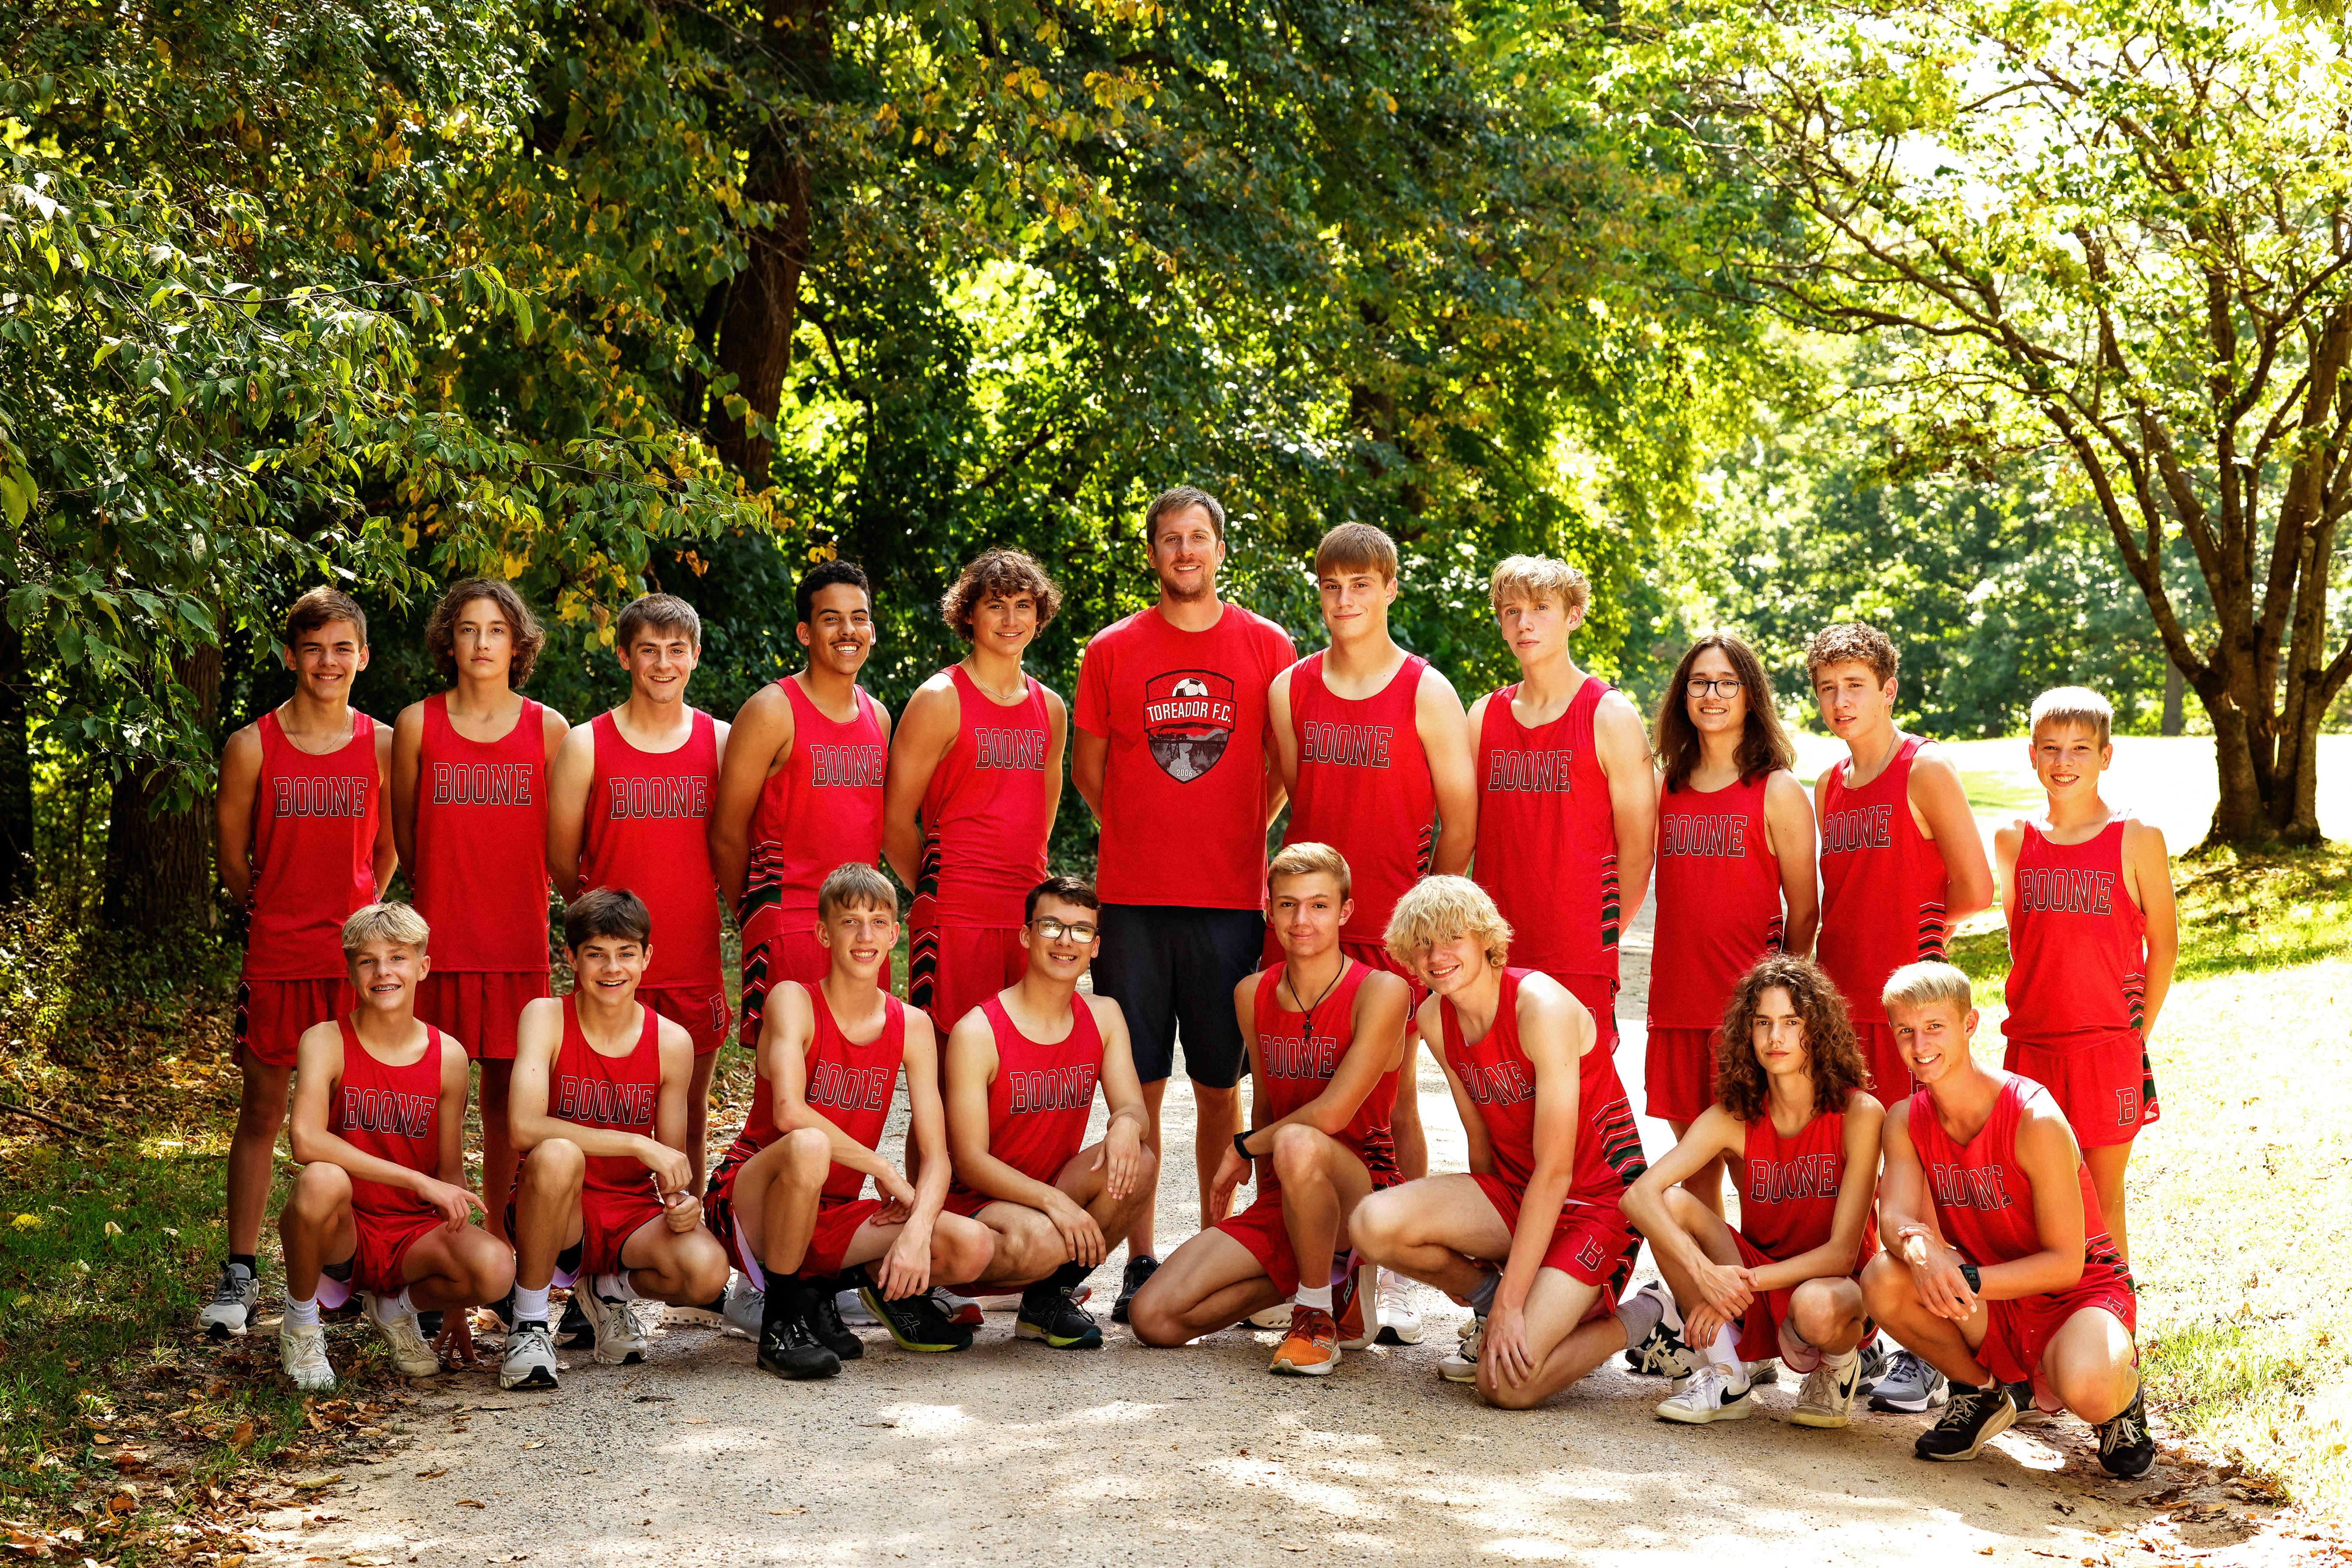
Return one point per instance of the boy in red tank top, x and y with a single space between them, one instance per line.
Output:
1902 862
301 840
801 790
1375 756
380 1207
787 1200
1022 1072
2092 936
1326 1038
1998 1269
605 1197
1531 1238
975 777
1568 806
1735 872
1800 1136
469 814
631 809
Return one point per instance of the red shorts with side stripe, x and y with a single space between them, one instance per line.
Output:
1678 1074
480 1009
1260 1229
950 970
2018 1334
836 1225
1593 1245
701 1010
2108 1089
272 1013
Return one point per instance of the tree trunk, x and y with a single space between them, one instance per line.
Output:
17 869
159 864
755 338
2175 688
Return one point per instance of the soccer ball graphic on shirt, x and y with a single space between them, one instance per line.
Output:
1188 718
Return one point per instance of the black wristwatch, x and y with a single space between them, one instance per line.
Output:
1241 1143
1969 1273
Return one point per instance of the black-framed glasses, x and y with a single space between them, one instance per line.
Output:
1053 929
1700 685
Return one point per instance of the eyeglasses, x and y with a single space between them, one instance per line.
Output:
1699 686
1054 930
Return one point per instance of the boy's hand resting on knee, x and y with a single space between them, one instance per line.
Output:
1078 1231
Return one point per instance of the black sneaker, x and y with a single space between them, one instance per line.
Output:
1873 1364
1049 1313
573 1328
788 1349
503 1309
2126 1447
2020 1394
1974 1417
428 1324
1139 1269
916 1322
823 1317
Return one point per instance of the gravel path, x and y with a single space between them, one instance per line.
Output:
1015 1453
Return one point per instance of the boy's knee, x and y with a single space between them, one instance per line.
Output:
556 1163
1376 1227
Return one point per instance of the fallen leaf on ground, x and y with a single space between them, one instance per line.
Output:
364 1562
469 1502
316 1483
536 1442
432 1475
788 1510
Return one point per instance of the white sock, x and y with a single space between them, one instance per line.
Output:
1841 1361
301 1314
1725 1352
1319 1299
391 1309
616 1288
529 1305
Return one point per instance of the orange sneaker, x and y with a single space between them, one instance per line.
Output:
1348 1297
1312 1347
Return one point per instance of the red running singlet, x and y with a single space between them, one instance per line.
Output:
1882 884
2078 944
1718 892
314 827
389 1112
589 1089
987 812
1543 807
1037 1106
851 1085
1364 787
821 809
1296 1055
647 830
1788 1188
1500 1080
1983 1198
482 844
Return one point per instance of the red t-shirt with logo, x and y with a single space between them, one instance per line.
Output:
1184 776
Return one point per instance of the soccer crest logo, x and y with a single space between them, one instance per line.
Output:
1188 717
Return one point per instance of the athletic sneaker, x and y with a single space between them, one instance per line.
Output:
1400 1324
2020 1394
1827 1397
530 1358
1909 1386
1139 1269
1873 1351
503 1309
1662 1353
1462 1365
2127 1446
916 1322
1275 1317
964 1312
743 1307
411 1353
851 1311
1974 1417
1311 1349
825 1320
573 1328
1348 1313
618 1342
1710 1395
711 1314
1051 1312
236 1296
303 1351
1763 1371
790 1349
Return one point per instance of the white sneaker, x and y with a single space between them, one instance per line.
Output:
1400 1324
1827 1397
303 1351
1462 1365
743 1308
410 1353
1275 1317
1710 1395
618 1342
236 1296
530 1358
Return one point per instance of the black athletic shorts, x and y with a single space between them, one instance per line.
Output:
1173 970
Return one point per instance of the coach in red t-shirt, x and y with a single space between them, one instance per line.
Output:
1170 753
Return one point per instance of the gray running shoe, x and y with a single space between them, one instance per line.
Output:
236 1296
530 1358
619 1340
1873 1362
1910 1386
744 1307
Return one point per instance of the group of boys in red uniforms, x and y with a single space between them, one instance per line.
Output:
1457 877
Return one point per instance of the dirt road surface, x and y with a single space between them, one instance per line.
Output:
1013 1453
